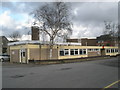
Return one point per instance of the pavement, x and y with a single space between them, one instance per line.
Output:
88 74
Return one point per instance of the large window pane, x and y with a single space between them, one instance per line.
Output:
108 50
61 52
76 51
66 51
72 52
112 50
80 51
84 52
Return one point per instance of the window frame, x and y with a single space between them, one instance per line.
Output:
76 50
73 51
66 51
84 51
61 50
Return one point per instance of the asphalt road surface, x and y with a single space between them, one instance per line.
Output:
88 74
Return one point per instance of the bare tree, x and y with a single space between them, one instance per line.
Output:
111 30
55 18
15 36
43 36
64 36
107 29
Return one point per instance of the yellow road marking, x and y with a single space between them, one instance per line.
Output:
112 84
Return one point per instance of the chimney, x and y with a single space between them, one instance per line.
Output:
35 32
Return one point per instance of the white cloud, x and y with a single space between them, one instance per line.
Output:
81 31
78 31
23 37
26 37
18 27
88 33
76 11
86 14
9 24
6 20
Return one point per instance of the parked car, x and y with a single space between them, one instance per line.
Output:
4 58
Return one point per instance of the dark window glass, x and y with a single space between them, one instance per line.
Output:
72 52
80 51
66 52
116 50
4 50
76 51
23 54
61 53
108 50
89 49
112 50
84 52
96 49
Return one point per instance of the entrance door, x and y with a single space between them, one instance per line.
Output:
102 52
23 56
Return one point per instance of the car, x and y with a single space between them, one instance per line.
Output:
4 58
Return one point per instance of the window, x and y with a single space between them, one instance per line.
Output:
66 51
4 50
71 51
84 51
61 52
23 54
80 51
116 50
96 49
92 50
108 50
76 51
89 49
112 50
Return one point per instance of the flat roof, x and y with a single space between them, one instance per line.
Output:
39 43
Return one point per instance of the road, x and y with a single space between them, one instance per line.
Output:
88 74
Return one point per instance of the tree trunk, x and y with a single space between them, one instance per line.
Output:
50 53
51 46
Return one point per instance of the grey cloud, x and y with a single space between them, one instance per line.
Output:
92 15
95 13
21 7
89 14
18 8
6 31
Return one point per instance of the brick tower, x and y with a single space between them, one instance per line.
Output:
35 32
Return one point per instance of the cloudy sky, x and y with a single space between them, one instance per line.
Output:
88 17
